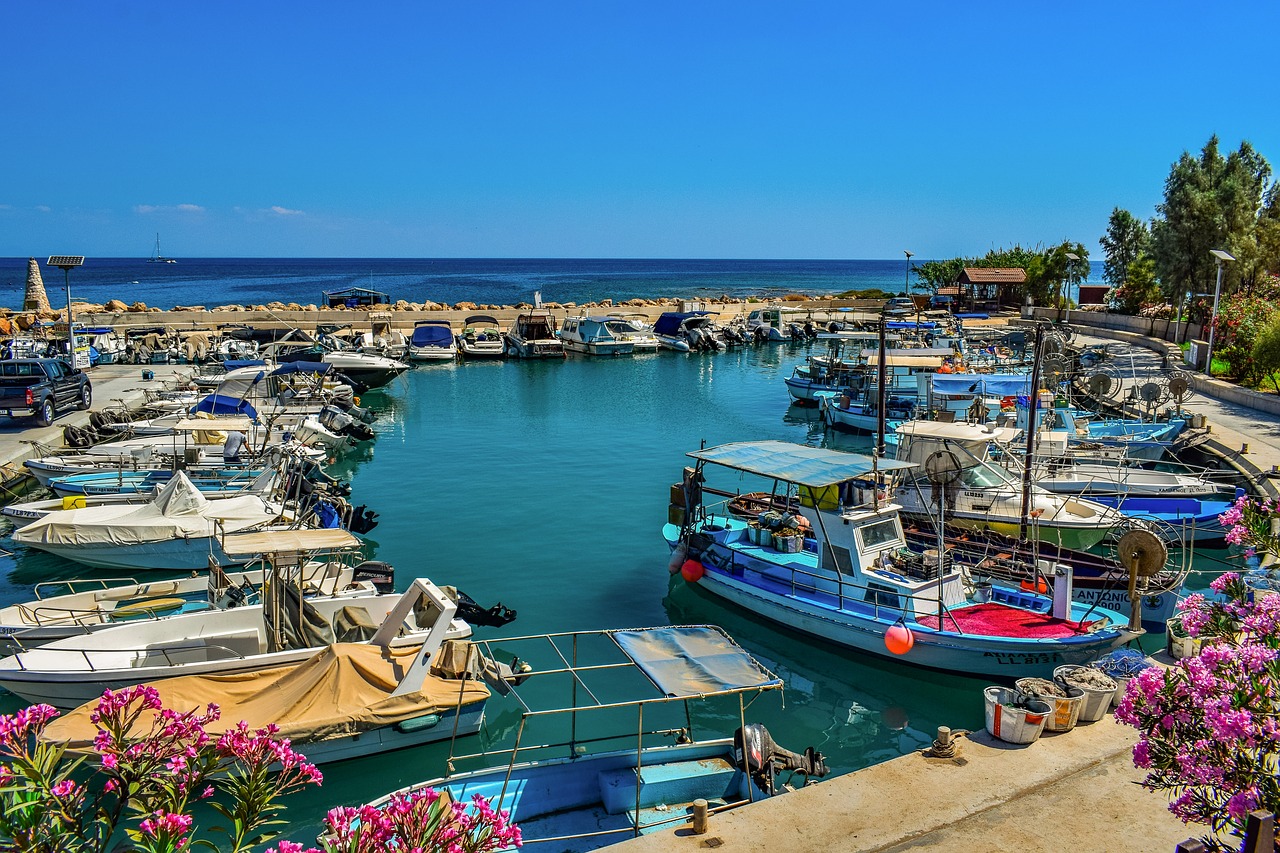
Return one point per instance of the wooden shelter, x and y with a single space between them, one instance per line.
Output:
990 287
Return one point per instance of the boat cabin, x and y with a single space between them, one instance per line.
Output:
354 297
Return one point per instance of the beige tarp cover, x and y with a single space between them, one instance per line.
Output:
693 660
270 541
343 690
178 512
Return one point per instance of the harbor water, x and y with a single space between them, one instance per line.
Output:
544 485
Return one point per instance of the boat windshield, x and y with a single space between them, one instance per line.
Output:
981 477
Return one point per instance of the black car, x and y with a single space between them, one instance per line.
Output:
40 388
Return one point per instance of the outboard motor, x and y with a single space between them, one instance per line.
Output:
472 613
380 574
757 754
363 519
761 334
810 331
795 332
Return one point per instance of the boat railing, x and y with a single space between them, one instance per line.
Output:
78 585
142 654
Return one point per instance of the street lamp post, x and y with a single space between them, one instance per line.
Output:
1072 257
906 286
65 263
1220 257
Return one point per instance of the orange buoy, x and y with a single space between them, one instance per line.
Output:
899 639
1039 586
692 571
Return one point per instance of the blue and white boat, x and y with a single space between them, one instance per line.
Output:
688 331
212 482
1138 439
594 336
642 765
1192 518
432 340
855 578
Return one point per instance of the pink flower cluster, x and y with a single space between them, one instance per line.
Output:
1248 523
1209 728
421 820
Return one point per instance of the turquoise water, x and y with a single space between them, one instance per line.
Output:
545 486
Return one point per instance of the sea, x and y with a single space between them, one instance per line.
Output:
545 486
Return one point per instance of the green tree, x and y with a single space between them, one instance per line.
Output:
1127 239
1209 203
1266 351
1050 273
1139 287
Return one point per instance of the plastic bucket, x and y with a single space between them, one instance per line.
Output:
1177 643
789 544
1066 709
1013 724
1122 684
1097 701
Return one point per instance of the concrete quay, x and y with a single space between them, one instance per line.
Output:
113 385
1073 791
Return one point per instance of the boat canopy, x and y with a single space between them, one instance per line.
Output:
289 541
291 367
693 661
479 318
219 404
814 467
220 424
431 336
994 384
670 321
910 324
237 363
959 432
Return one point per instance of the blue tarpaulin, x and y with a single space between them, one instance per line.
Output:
237 363
669 322
302 367
991 384
218 404
432 336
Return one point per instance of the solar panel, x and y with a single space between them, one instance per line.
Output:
66 262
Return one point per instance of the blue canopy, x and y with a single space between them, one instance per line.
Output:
669 322
237 363
95 330
910 324
219 404
993 384
432 336
814 467
288 368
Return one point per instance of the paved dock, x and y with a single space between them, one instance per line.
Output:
113 385
1065 793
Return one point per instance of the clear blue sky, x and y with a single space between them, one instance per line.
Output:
538 128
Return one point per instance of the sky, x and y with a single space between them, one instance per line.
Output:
539 128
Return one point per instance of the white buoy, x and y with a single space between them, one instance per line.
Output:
677 558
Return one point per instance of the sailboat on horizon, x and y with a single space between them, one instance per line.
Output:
156 257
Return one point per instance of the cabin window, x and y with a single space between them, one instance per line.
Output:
879 594
979 477
843 561
879 533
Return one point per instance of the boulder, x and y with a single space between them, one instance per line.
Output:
293 306
137 307
310 307
115 306
465 306
402 305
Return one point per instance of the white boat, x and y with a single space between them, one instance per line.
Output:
346 700
432 340
178 530
533 335
481 338
689 331
593 336
635 328
980 494
82 606
578 791
382 339
848 575
285 629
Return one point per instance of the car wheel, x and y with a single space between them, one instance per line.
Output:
47 413
86 397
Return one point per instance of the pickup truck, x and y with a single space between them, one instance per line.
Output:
41 388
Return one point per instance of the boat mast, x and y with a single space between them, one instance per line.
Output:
881 370
1032 403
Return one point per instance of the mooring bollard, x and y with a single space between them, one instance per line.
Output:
700 817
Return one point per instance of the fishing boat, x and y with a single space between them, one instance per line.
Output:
533 335
840 367
214 482
594 336
578 790
481 338
1191 517
852 579
979 494
286 628
688 331
347 700
157 257
1137 439
432 340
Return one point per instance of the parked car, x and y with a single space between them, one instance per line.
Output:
40 388
943 302
900 303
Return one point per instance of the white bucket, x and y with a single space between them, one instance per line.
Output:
1177 643
1014 724
1122 684
1096 702
1066 709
